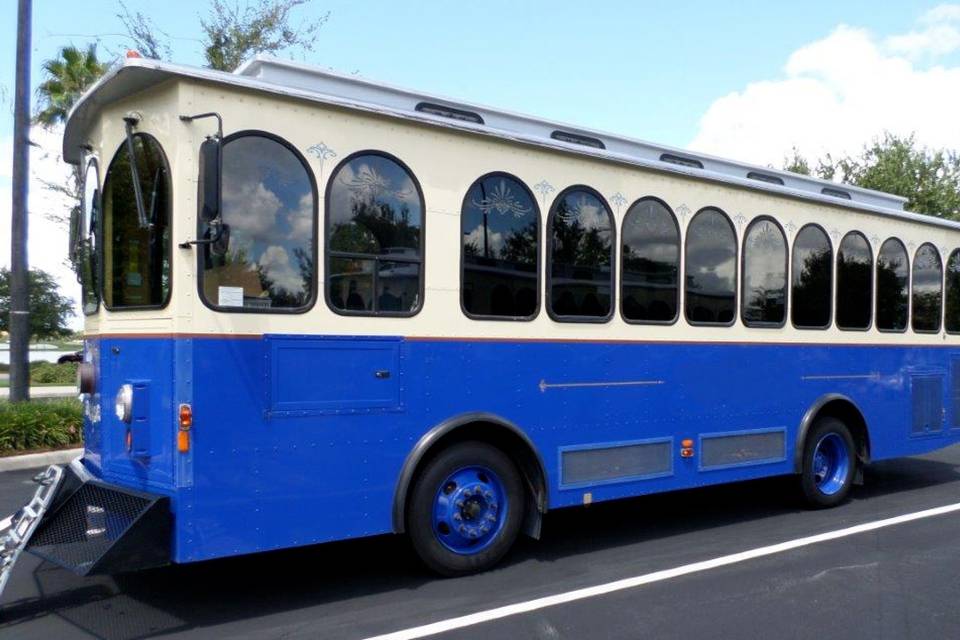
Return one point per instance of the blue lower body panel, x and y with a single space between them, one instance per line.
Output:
301 439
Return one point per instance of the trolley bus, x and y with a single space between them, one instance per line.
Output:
321 308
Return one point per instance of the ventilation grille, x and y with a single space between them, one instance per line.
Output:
719 451
576 138
686 162
765 177
616 463
927 404
449 112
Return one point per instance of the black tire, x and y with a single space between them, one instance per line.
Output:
813 495
420 516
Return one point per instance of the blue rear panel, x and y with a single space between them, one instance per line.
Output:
301 439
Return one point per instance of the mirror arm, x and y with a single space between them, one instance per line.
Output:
209 114
212 240
130 121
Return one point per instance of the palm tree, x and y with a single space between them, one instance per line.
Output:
68 76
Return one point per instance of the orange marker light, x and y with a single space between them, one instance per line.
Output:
186 422
129 440
133 53
686 444
183 441
686 448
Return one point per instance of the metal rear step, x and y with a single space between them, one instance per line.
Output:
89 527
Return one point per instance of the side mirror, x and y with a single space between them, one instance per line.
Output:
211 157
76 222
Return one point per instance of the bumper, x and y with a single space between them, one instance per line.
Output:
96 528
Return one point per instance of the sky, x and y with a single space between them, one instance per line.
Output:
746 80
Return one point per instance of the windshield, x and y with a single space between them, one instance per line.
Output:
86 261
136 259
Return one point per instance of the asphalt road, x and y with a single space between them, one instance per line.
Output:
896 582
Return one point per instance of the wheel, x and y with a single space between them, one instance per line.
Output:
829 463
465 509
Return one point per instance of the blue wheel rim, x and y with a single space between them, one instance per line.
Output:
831 463
469 510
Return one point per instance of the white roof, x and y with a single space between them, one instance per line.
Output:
315 84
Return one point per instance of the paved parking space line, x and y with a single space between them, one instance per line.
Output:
657 576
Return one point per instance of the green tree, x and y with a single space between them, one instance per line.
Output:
232 32
928 178
49 311
68 75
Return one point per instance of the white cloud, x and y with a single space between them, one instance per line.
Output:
275 261
494 240
842 91
47 242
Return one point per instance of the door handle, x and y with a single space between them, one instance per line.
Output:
382 374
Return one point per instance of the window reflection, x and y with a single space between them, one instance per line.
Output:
854 282
953 292
812 279
374 226
269 205
764 274
500 229
581 255
892 285
651 263
927 289
711 268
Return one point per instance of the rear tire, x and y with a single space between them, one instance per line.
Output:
465 509
829 464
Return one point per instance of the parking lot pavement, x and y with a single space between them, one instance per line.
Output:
897 582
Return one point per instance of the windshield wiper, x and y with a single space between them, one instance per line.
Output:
131 120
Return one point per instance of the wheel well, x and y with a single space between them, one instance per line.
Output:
843 409
493 431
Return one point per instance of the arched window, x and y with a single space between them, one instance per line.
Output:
764 274
270 206
581 233
500 236
136 254
710 263
374 237
927 289
953 292
893 282
84 238
812 279
650 263
854 282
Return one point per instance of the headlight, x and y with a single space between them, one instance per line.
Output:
124 403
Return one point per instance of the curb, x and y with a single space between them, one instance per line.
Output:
32 460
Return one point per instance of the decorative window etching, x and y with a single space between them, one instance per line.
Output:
683 211
790 227
740 220
368 184
834 233
765 235
502 200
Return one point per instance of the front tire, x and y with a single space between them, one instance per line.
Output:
465 509
829 464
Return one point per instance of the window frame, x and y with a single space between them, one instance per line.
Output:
943 270
539 264
93 159
876 286
244 133
421 261
833 278
736 274
786 275
676 224
102 266
873 282
548 247
945 329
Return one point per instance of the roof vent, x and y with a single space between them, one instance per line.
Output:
576 138
449 112
686 162
765 177
836 193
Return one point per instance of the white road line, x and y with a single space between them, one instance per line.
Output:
657 576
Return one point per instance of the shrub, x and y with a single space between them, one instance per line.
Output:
52 373
40 425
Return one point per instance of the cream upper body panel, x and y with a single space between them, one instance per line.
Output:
446 162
